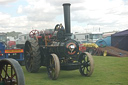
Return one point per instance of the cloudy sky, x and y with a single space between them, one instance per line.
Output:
86 15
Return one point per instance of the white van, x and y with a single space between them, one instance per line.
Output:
20 41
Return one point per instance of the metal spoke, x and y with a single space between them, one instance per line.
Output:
87 69
83 69
12 76
6 74
11 71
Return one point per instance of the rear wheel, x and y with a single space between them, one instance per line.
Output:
32 56
87 64
53 67
11 73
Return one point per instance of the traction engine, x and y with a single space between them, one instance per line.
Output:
56 50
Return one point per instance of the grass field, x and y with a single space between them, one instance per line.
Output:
107 71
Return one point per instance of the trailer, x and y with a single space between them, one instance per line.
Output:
5 52
90 37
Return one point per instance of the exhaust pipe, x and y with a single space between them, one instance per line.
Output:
66 7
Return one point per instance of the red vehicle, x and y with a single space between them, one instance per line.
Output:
11 44
82 48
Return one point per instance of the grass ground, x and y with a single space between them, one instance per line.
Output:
107 71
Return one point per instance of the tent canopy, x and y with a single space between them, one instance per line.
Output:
122 33
120 40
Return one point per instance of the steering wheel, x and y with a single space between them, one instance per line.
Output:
33 33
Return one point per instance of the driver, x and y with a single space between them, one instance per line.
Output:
61 27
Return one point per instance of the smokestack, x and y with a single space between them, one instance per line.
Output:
66 7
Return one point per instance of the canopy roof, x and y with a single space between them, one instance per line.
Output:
122 33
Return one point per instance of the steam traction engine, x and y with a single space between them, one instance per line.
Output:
56 50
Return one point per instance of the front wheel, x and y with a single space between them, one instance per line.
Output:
11 72
53 66
86 64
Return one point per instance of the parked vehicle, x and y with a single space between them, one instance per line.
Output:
56 51
88 37
94 36
11 43
82 48
22 38
6 52
3 39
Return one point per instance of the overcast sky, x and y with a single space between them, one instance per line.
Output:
86 15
